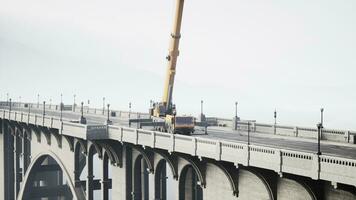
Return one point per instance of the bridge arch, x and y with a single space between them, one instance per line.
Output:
36 162
252 185
47 135
80 145
224 172
287 187
146 155
191 179
93 149
198 167
79 160
36 131
141 170
114 152
160 181
189 186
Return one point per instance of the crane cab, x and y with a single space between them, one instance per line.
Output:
160 110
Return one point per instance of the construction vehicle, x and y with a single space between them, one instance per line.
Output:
165 111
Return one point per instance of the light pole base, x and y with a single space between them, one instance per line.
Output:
83 120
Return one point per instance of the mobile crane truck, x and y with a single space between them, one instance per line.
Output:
165 111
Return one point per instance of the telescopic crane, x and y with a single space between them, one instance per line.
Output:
165 110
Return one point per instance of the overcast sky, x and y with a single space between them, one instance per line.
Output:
295 56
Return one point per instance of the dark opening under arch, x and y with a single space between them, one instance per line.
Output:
46 178
140 179
189 187
161 180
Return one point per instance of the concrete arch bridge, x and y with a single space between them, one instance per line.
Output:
47 157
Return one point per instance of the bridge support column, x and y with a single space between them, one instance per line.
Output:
128 172
173 189
151 183
121 176
105 180
9 165
90 177
2 160
26 152
17 171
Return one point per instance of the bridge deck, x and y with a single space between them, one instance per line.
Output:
226 134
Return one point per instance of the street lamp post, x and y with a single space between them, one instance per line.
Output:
103 105
50 103
74 102
236 109
275 120
88 106
319 126
44 108
7 97
248 133
38 100
82 120
108 112
201 107
10 105
235 118
81 109
138 123
61 108
129 110
108 122
203 118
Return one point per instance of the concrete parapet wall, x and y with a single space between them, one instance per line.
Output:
278 160
343 136
301 132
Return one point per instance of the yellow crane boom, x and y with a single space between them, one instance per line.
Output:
165 111
172 56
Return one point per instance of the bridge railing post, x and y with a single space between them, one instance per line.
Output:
278 157
347 136
254 126
296 131
153 135
316 166
172 143
194 153
218 150
136 136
